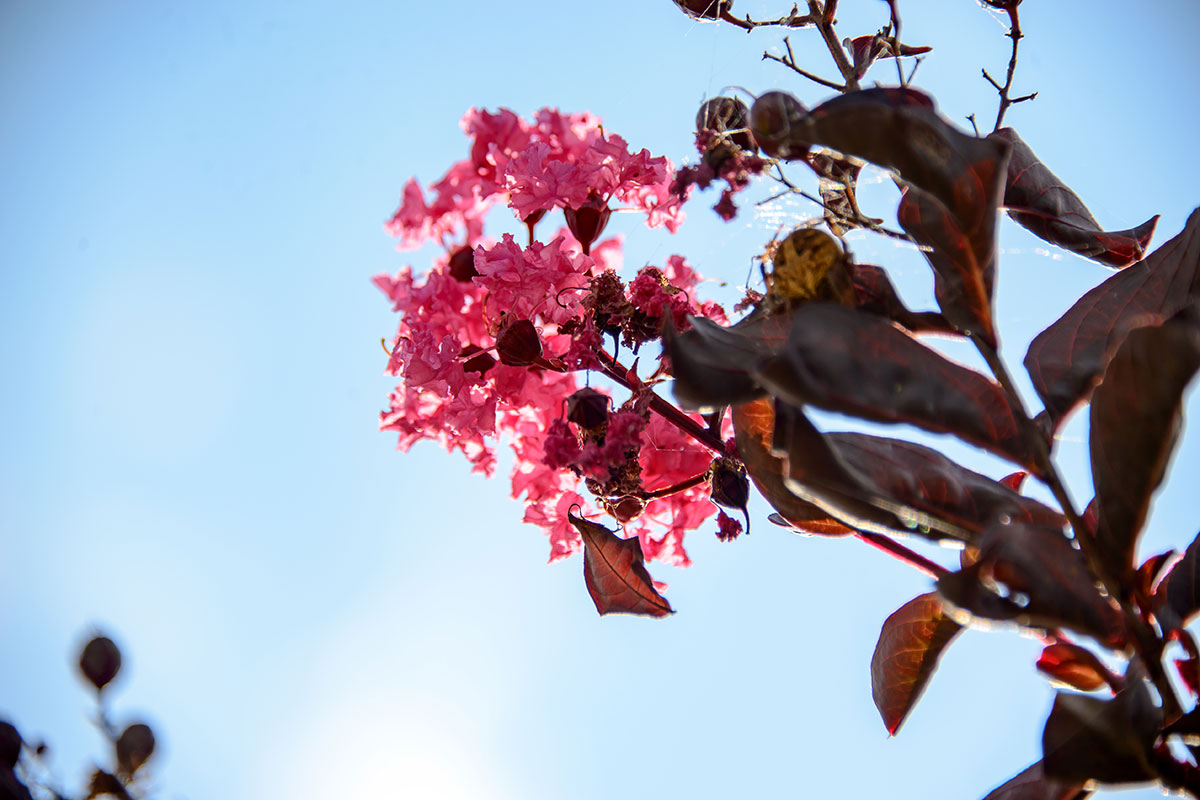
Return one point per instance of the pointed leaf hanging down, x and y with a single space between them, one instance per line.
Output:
1041 203
1135 419
1065 359
963 270
1103 740
1033 576
1032 784
875 294
906 655
848 361
876 483
615 573
753 424
1177 598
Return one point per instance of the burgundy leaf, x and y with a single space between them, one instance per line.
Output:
1135 420
1015 480
1032 784
615 573
1177 598
712 364
1033 576
910 644
753 424
1073 665
875 294
866 49
963 272
1065 359
1151 571
845 360
1110 741
1039 201
887 485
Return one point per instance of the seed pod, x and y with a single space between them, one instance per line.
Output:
10 745
100 661
626 508
724 114
810 265
518 344
134 746
730 486
704 9
587 408
776 120
462 265
587 222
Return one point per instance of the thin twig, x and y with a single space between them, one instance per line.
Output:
1014 33
835 48
789 61
792 20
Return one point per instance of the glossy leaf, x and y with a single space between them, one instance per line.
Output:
963 270
1032 784
875 294
1177 598
1073 665
849 361
1135 420
886 485
753 424
1110 741
1033 576
1041 203
1065 359
906 655
615 573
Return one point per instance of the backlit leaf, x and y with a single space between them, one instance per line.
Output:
1177 598
906 655
1110 741
1032 784
875 294
1065 360
1135 419
1039 201
1072 665
615 573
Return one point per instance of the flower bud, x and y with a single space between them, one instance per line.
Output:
587 408
730 486
100 661
134 746
626 508
704 9
518 344
723 114
462 264
776 121
587 222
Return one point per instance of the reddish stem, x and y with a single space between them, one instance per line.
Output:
899 551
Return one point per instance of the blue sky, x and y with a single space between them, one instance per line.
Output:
192 210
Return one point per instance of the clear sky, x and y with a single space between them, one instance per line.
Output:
192 208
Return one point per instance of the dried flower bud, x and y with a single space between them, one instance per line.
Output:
478 360
100 661
730 486
704 9
587 222
587 408
776 120
10 745
462 264
518 344
134 746
726 114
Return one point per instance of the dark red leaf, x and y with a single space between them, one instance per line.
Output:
1039 201
1065 359
856 363
887 485
875 294
1135 419
866 49
615 573
753 424
1189 672
1033 576
910 644
1103 740
1177 598
1033 785
1015 481
963 270
1073 665
1151 570
712 364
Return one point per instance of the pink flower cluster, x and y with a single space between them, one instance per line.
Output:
492 335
